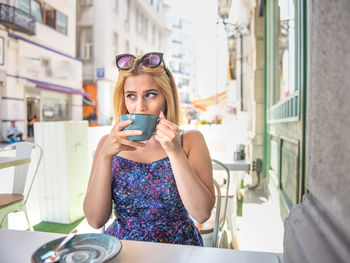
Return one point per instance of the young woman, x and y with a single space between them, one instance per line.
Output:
155 185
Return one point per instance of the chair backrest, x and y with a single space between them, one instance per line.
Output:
219 224
217 214
24 150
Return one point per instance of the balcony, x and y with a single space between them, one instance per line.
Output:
16 19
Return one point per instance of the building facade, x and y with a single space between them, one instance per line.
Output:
180 59
106 30
299 66
40 74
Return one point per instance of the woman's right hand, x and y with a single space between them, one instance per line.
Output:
117 140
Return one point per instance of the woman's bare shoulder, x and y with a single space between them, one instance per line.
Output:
193 134
192 138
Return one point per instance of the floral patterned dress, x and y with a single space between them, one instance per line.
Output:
147 204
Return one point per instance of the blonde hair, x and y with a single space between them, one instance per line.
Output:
165 82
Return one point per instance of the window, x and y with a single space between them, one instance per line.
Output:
47 65
176 41
115 5
86 49
286 51
44 13
50 17
37 11
85 2
127 10
55 19
55 108
171 65
86 35
177 24
23 5
186 82
61 23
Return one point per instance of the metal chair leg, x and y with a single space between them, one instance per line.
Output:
4 222
25 213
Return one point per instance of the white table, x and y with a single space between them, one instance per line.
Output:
18 246
6 162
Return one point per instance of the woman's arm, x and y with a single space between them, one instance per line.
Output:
194 176
98 198
193 173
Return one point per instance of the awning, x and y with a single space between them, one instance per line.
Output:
54 87
203 104
88 102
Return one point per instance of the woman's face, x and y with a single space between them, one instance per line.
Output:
142 95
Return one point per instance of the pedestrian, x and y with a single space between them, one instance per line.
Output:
14 133
157 185
31 122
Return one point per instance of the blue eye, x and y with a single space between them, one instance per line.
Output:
130 96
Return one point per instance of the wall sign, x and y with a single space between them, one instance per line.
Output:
100 72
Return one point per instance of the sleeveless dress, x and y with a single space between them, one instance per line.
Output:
147 204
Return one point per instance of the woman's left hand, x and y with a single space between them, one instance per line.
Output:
167 133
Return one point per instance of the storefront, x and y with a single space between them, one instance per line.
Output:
39 81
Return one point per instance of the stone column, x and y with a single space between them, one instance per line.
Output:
257 84
317 230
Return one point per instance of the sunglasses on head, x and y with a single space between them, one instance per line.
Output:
149 60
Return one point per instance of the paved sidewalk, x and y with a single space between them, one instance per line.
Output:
261 227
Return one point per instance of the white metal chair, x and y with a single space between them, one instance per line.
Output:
16 201
213 227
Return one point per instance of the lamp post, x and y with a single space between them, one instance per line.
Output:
232 46
224 7
231 41
235 34
233 31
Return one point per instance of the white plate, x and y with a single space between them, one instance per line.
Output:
82 248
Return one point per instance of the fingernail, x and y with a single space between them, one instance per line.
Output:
139 132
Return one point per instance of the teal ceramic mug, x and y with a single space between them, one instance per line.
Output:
144 122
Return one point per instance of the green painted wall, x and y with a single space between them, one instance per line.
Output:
285 96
